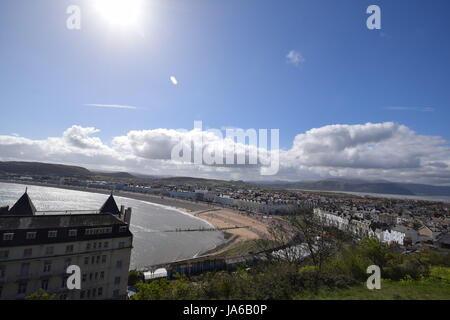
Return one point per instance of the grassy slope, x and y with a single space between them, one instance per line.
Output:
436 287
241 248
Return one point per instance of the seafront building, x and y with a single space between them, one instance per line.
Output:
359 228
36 249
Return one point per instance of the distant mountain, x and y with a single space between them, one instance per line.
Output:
348 185
42 169
200 181
118 175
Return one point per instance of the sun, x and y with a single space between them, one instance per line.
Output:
120 13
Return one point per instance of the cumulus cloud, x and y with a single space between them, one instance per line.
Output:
80 137
381 150
163 144
382 145
295 58
386 150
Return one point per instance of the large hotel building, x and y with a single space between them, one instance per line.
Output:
36 248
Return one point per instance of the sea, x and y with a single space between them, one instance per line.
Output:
445 199
151 245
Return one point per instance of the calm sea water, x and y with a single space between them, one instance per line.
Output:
399 196
151 246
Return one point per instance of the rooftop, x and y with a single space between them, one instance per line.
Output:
8 222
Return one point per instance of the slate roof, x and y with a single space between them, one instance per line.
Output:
23 207
9 222
4 210
110 206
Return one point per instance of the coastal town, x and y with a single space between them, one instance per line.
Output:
410 223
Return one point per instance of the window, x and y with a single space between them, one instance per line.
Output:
52 234
90 276
116 293
92 260
22 288
94 292
73 233
95 231
8 236
100 291
27 252
95 245
88 293
119 264
4 254
103 259
64 282
105 244
86 260
2 271
44 285
84 277
117 280
67 263
99 245
96 276
121 244
47 266
49 250
102 275
69 248
31 235
97 260
82 294
123 229
88 246
24 269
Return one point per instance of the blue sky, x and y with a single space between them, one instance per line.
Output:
230 60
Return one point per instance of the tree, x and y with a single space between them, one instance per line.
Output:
303 236
133 277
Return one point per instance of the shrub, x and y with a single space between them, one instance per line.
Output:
408 267
41 295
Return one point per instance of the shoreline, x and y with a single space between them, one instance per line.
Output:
254 226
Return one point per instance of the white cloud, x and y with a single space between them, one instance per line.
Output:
80 137
112 106
382 150
420 109
295 58
369 151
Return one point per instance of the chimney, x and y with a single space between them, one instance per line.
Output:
122 210
127 216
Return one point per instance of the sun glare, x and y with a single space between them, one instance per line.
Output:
122 13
